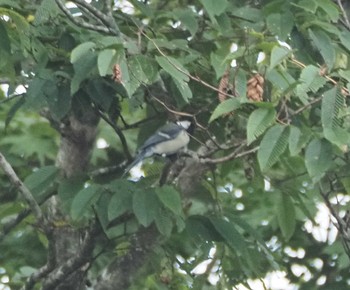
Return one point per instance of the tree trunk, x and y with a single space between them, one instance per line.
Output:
74 153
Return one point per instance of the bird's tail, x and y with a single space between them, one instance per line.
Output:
137 160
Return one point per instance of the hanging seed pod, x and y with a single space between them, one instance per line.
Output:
223 86
117 73
255 88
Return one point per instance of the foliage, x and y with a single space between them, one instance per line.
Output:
273 165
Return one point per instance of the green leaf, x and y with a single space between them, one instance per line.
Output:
101 92
280 24
122 198
35 94
273 144
143 69
278 54
170 198
345 73
163 222
214 7
297 140
11 113
200 227
285 212
324 45
331 9
68 189
173 67
83 69
307 5
218 63
81 50
280 79
145 205
345 39
184 90
46 11
5 40
230 235
337 136
332 103
39 181
20 22
258 122
225 107
144 8
318 158
105 61
58 99
311 80
84 200
187 18
241 84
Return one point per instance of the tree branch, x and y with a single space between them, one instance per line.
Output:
341 224
108 21
13 223
119 133
346 19
197 79
79 22
26 194
83 257
233 155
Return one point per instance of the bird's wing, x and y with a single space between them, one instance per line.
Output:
165 133
137 159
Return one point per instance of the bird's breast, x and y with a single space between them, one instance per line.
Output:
172 146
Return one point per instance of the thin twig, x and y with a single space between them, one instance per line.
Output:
314 101
27 195
231 156
11 97
119 133
341 224
346 19
334 82
137 123
13 223
195 78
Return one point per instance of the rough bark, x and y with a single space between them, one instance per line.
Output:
122 271
77 139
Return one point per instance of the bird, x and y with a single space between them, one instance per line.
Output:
167 140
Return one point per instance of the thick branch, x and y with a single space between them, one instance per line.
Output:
123 270
106 20
27 195
83 257
77 21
